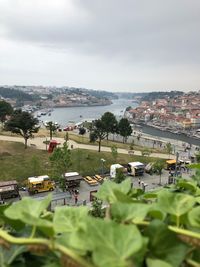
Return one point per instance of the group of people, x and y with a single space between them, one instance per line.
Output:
74 193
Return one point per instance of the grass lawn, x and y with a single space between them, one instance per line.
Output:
19 163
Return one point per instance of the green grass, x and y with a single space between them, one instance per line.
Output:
85 140
19 163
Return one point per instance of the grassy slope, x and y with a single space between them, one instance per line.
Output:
17 162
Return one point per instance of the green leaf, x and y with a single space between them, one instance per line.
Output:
113 244
175 203
187 185
157 263
28 211
197 199
109 190
135 212
156 212
29 206
69 219
164 245
194 217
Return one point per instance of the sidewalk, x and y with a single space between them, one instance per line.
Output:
37 142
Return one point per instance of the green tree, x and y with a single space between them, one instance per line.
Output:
52 128
125 129
97 209
158 166
197 155
120 177
60 162
22 123
169 148
98 133
5 109
110 122
114 152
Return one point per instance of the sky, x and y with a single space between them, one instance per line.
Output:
114 45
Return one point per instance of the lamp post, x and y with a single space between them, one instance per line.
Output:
177 156
102 166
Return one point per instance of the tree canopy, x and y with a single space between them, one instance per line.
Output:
110 122
98 132
5 109
124 128
22 123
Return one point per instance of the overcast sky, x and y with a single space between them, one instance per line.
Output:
118 45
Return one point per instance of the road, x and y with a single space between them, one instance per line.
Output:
38 143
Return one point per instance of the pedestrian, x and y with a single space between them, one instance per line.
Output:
76 198
139 181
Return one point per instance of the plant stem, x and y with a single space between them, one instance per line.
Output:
33 231
48 243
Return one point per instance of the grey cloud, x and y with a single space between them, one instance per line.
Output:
154 31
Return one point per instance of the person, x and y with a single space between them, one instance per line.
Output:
139 181
76 198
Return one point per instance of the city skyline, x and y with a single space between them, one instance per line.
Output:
104 45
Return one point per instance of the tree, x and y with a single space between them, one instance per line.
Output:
158 166
60 162
22 123
169 148
5 109
146 152
98 133
120 177
110 122
114 152
125 129
82 131
52 128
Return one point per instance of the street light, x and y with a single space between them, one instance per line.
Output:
102 166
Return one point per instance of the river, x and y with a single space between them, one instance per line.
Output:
77 114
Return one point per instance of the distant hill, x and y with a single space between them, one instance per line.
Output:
15 94
156 95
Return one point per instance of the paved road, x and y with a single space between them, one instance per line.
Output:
37 142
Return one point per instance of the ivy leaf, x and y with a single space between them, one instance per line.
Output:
113 244
197 199
69 219
175 203
27 206
187 185
157 263
156 212
28 211
164 245
109 190
125 212
194 217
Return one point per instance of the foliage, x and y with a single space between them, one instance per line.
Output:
197 155
98 132
110 123
5 109
114 152
131 147
60 162
146 152
52 128
22 123
124 128
157 167
169 148
139 229
120 177
97 209
82 131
